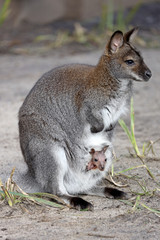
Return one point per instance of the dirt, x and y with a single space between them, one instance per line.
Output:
111 219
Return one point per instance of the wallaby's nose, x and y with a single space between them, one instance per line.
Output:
148 74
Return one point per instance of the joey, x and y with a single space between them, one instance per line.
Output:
98 160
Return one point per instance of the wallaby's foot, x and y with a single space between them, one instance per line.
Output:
115 193
80 204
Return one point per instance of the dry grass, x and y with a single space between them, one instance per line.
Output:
136 201
12 194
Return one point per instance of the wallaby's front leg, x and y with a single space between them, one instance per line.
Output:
94 120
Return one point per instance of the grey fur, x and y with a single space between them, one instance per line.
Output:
55 114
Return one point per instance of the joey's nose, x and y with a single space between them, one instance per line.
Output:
101 168
148 74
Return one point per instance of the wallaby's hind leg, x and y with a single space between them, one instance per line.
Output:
78 203
108 192
74 201
111 193
50 176
114 193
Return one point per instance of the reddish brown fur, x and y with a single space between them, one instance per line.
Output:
98 159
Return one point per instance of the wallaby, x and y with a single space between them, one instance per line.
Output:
98 160
72 109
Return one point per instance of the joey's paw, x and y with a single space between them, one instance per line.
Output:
80 204
115 193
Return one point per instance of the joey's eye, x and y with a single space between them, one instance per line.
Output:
96 160
129 62
105 160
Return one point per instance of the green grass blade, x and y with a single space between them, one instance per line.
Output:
120 19
125 128
132 125
150 209
127 202
129 169
130 133
4 11
132 118
149 172
136 205
7 196
49 195
112 170
132 13
110 16
39 200
144 149
47 202
103 20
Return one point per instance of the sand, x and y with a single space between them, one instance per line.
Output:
111 219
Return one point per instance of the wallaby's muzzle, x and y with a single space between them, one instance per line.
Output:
148 74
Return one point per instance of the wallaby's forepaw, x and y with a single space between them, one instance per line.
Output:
115 193
80 204
97 129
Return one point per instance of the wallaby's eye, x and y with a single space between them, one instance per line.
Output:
105 160
129 62
96 160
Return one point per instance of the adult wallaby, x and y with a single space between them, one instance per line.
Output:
72 109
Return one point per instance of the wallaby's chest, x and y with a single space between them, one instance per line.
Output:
110 114
113 111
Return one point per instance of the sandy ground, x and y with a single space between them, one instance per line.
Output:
111 219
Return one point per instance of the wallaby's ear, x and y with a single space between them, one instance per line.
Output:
105 148
129 36
92 151
115 42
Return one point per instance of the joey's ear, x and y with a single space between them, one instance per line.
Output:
105 148
92 151
115 42
129 36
